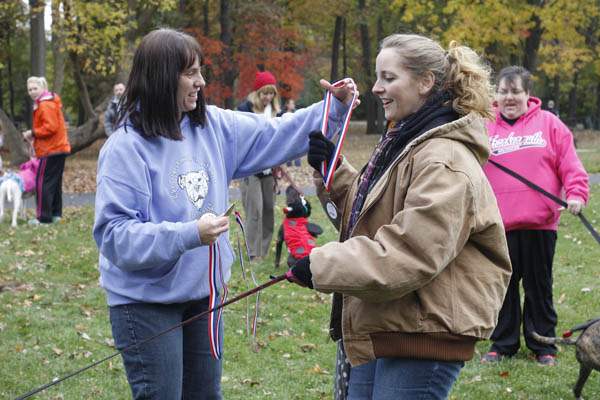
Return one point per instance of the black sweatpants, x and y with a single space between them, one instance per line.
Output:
48 187
531 255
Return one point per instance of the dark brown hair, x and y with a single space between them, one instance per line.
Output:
150 102
512 73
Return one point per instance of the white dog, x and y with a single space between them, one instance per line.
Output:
195 184
10 190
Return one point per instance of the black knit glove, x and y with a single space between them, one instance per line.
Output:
300 273
319 149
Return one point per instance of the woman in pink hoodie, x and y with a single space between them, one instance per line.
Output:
538 146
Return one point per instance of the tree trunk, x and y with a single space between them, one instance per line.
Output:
37 38
370 105
556 92
205 18
90 131
13 140
84 95
345 53
79 138
532 45
57 48
381 123
11 86
572 116
597 113
227 39
335 48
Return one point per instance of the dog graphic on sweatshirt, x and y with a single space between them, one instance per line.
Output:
195 184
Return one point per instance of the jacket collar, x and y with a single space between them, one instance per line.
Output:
469 130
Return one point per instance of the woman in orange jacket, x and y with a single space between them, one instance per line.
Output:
51 147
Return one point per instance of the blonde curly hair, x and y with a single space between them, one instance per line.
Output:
459 70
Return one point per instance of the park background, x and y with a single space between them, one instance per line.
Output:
53 317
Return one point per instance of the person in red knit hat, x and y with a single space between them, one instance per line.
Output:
258 191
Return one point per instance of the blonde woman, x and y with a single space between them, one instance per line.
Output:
258 191
51 144
422 265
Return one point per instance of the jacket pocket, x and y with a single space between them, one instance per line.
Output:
526 208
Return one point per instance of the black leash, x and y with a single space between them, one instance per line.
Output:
274 280
552 197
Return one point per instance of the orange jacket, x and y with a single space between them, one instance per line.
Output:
49 128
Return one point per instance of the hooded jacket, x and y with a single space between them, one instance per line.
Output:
49 127
434 264
540 148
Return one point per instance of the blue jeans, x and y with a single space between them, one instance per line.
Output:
177 365
399 379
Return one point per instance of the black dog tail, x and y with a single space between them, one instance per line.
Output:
552 340
580 327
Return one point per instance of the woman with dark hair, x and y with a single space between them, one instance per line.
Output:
422 219
163 179
537 145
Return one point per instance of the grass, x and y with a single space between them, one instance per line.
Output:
53 317
588 150
53 320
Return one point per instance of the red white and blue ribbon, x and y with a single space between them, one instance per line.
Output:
241 258
215 270
238 219
328 170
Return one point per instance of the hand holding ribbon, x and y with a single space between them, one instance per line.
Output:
210 227
345 90
320 150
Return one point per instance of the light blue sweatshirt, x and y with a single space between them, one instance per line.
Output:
151 192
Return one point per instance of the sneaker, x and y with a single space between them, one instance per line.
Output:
56 219
546 360
491 357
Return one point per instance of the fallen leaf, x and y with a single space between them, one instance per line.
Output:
562 298
318 370
504 374
250 382
57 351
308 347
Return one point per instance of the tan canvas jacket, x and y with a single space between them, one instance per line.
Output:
426 268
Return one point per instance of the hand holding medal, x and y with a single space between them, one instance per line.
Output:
346 91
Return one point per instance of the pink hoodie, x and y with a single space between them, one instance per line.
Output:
540 148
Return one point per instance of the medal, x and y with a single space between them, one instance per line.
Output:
333 214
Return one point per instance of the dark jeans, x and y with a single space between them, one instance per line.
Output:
531 255
48 187
399 379
177 365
